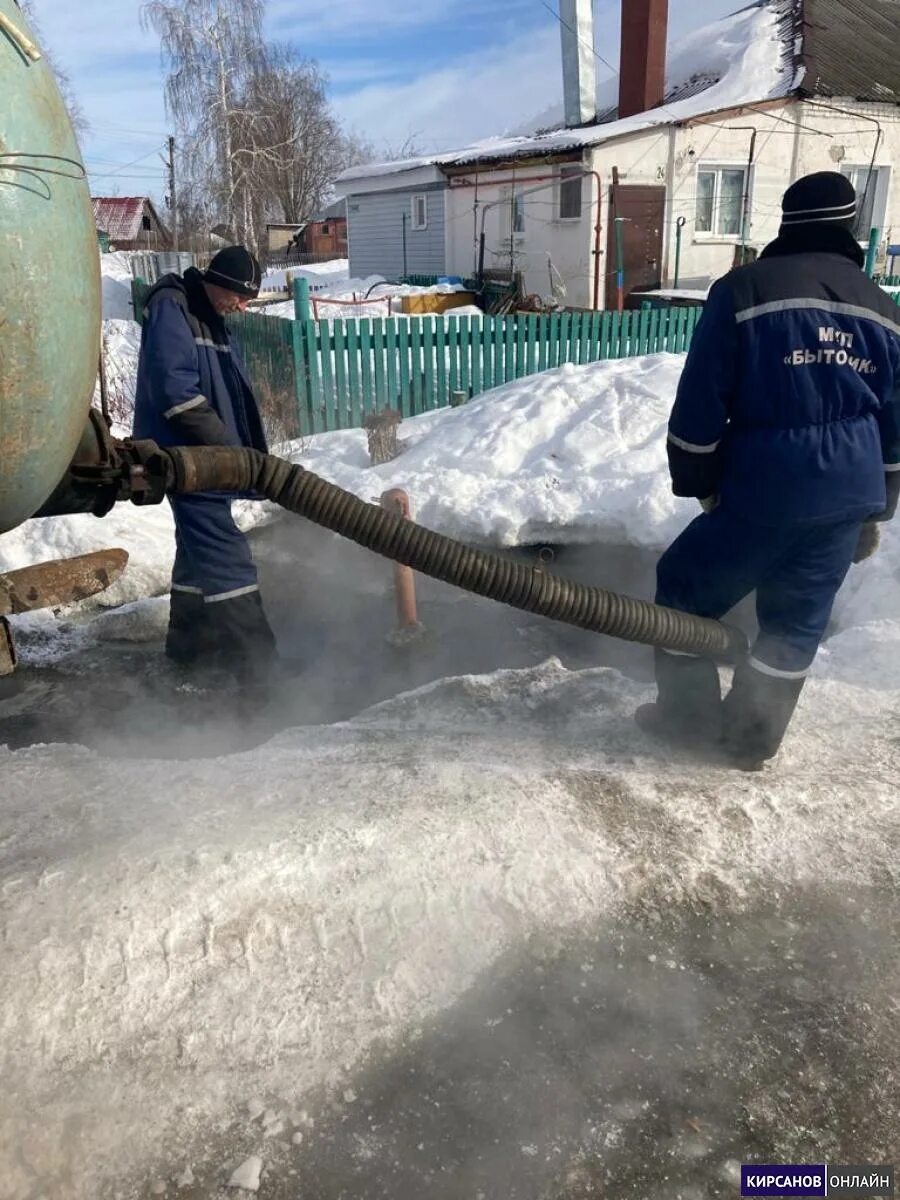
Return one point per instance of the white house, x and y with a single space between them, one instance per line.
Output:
689 165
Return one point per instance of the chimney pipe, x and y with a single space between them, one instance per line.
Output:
579 64
642 63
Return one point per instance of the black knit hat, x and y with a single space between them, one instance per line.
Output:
236 270
825 196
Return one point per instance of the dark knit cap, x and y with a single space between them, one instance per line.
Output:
236 270
823 197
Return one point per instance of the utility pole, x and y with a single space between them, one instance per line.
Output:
173 199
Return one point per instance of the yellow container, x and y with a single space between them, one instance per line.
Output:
436 302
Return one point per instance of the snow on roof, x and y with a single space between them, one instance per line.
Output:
720 65
766 51
744 58
120 216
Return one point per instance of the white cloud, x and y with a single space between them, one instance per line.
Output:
482 94
358 20
511 73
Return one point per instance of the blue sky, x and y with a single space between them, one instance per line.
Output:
442 71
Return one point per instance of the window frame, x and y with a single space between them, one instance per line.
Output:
717 169
416 226
560 186
880 195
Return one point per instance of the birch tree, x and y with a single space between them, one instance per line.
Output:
300 147
212 49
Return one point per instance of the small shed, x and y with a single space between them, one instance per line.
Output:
326 233
130 222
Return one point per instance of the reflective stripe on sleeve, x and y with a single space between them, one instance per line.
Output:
692 447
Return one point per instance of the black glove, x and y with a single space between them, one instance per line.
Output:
869 537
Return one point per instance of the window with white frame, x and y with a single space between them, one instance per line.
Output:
517 210
720 201
871 186
570 180
420 212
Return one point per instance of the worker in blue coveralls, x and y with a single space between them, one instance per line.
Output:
786 426
193 390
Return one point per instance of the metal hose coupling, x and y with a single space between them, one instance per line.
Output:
531 588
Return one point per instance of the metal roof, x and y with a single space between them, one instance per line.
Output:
336 211
850 48
120 216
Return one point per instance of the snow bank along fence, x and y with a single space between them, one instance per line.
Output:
330 374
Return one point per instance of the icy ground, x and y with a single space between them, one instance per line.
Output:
440 921
483 938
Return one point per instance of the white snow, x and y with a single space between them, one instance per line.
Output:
121 347
698 294
575 454
321 276
246 1176
116 276
181 935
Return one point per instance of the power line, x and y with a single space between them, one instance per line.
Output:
134 162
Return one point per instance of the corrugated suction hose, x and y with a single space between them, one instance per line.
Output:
534 589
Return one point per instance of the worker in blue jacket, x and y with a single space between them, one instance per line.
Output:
786 426
193 390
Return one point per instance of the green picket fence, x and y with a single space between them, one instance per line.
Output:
324 375
351 368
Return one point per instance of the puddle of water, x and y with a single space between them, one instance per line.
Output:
332 606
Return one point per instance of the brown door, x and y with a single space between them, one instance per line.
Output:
642 212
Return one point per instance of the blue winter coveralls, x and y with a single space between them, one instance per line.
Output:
193 390
788 412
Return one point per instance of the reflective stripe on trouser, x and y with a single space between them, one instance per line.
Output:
757 711
211 553
216 611
796 572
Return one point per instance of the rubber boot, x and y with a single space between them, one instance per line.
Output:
187 639
688 709
756 714
245 643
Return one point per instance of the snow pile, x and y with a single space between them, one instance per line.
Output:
575 454
116 277
246 1176
121 347
326 274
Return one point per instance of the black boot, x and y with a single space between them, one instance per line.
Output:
245 642
688 710
756 714
187 639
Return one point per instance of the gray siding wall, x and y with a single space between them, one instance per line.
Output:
375 225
